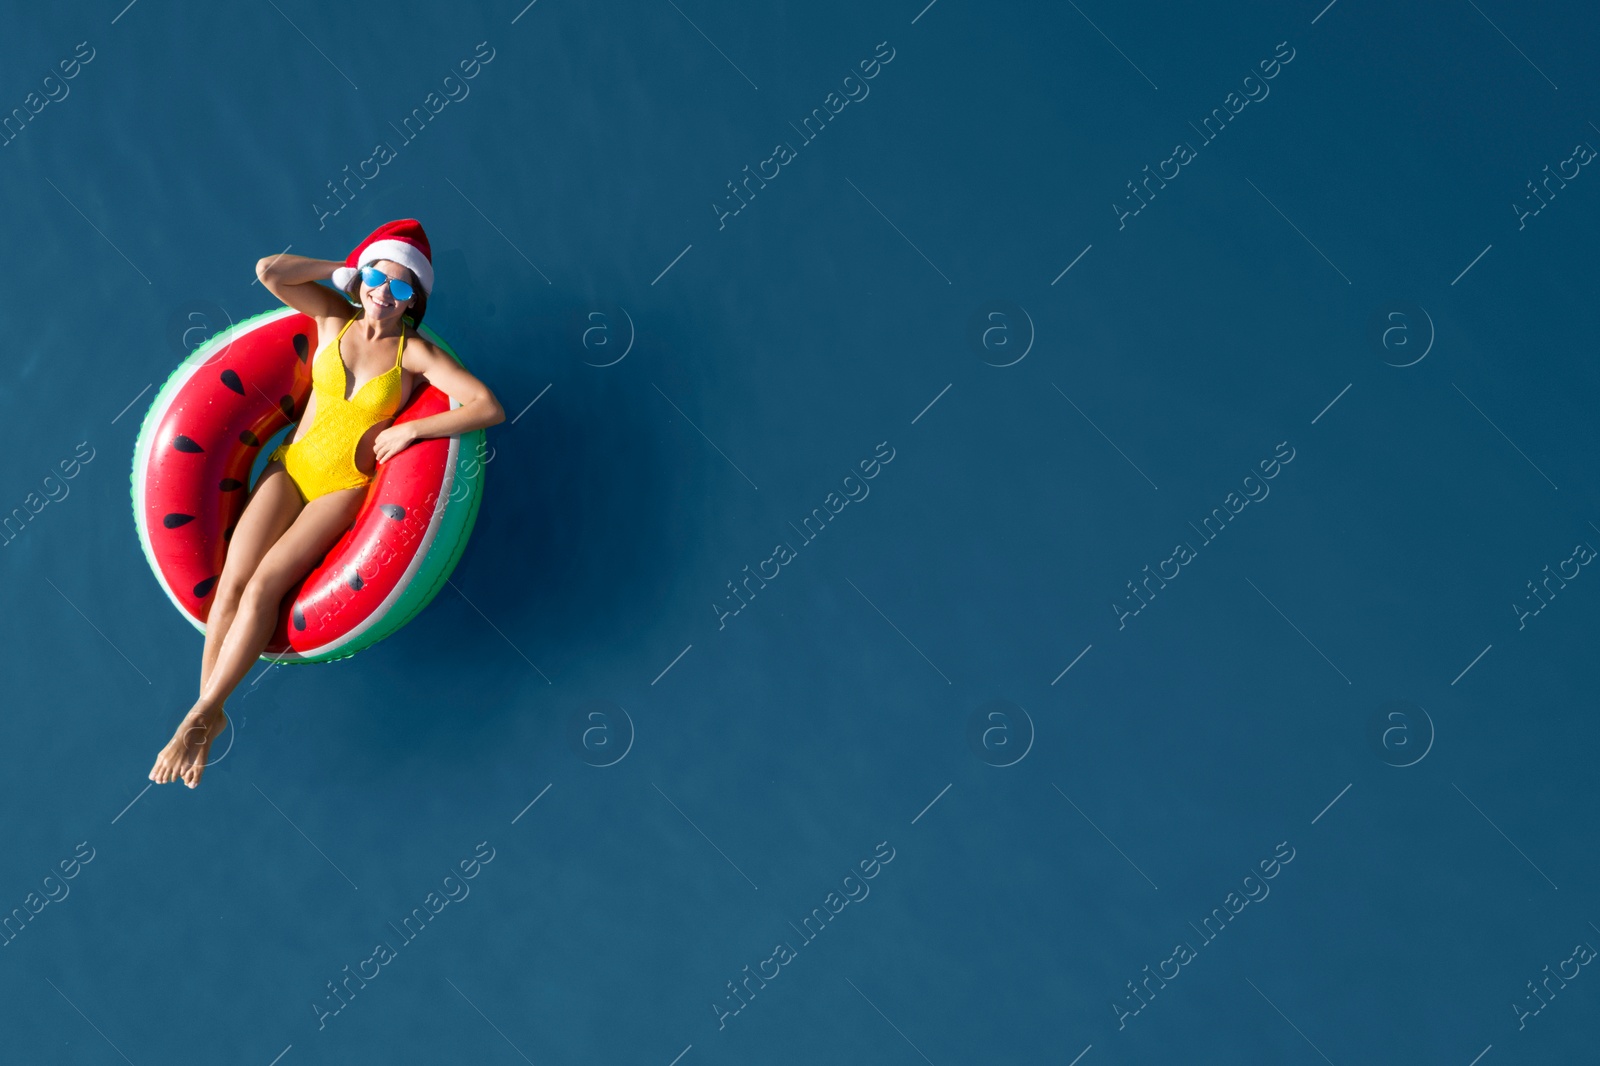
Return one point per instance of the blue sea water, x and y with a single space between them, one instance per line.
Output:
1024 533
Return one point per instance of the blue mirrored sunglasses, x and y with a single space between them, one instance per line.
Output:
375 277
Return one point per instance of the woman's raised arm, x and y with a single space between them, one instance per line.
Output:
293 279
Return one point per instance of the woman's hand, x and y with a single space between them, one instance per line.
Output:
392 441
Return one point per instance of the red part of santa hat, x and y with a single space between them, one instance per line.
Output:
401 241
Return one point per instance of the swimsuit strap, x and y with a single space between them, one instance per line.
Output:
339 353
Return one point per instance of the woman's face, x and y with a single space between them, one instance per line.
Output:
379 303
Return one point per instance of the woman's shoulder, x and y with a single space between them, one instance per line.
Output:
419 346
328 327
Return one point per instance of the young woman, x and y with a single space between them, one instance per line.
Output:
369 360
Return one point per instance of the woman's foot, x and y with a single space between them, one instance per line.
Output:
185 754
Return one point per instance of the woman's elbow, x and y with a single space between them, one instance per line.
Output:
489 409
263 266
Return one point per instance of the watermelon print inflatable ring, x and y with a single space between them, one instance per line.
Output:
210 425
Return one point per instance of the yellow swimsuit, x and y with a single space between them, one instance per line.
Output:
323 460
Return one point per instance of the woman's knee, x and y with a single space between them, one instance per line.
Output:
265 588
230 591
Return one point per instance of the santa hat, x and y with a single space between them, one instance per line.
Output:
401 241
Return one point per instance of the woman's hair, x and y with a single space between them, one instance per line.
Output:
419 299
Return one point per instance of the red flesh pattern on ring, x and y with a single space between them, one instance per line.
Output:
377 547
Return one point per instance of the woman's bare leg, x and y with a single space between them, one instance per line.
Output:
273 505
315 530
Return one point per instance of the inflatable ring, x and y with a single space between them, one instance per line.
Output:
210 424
